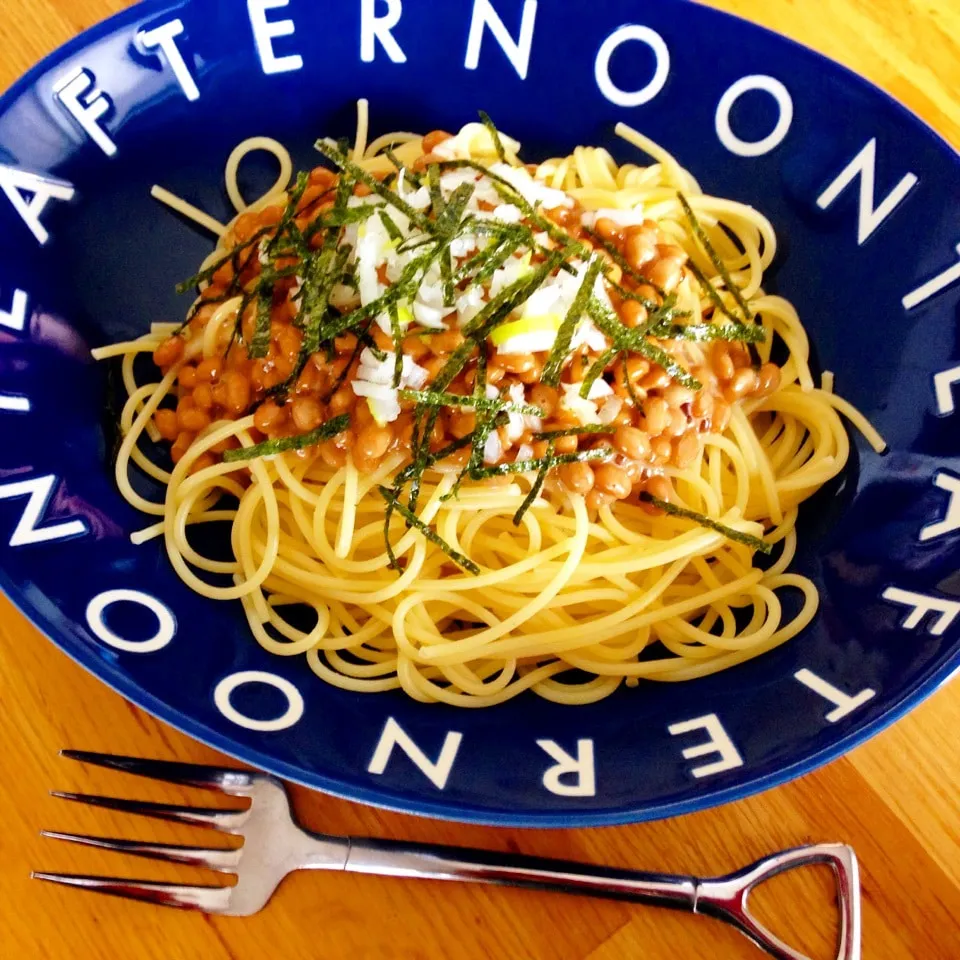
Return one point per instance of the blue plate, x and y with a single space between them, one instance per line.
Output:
863 197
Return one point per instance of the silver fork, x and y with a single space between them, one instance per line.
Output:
274 844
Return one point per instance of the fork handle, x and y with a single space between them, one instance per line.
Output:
724 898
398 858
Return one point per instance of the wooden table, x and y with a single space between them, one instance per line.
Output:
894 799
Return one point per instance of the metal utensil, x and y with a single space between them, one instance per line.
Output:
275 845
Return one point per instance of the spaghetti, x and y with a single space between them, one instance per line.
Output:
479 428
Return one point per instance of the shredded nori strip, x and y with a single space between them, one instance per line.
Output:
344 373
498 308
340 159
207 273
718 264
413 520
395 160
635 340
269 447
561 346
528 466
535 487
594 428
390 225
634 396
260 342
704 521
596 369
621 261
701 332
494 135
433 186
397 335
438 398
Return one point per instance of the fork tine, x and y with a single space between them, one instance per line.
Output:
213 859
227 820
185 896
228 779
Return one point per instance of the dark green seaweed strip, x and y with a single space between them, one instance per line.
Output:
494 135
509 297
711 292
594 428
433 186
414 521
438 398
397 335
621 261
596 369
528 466
718 264
705 521
269 447
395 160
207 273
535 487
634 396
390 225
561 346
636 341
702 332
341 160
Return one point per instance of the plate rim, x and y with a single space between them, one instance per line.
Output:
455 810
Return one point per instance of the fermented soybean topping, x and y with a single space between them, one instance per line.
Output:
468 313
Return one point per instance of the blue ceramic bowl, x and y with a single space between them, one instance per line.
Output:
863 197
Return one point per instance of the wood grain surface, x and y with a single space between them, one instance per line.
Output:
895 799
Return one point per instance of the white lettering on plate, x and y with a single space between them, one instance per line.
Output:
719 742
79 96
843 703
942 387
395 736
162 39
517 51
580 767
16 317
922 604
223 690
15 181
375 29
166 624
38 490
757 148
864 166
264 33
951 520
601 68
932 287
14 403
